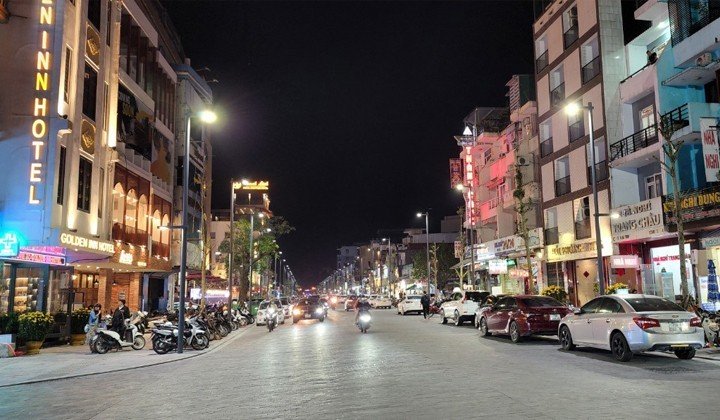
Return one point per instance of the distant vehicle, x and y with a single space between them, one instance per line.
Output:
629 324
461 306
262 309
308 309
409 304
521 316
350 303
286 306
380 301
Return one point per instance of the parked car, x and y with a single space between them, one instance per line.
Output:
489 300
629 324
286 306
461 306
350 303
380 301
308 309
260 318
522 316
410 303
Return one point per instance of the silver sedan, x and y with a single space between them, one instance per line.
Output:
628 324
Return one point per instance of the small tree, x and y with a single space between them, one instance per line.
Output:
671 150
523 205
442 259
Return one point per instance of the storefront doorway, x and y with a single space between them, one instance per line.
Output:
585 279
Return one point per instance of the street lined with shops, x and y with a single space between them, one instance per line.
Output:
403 367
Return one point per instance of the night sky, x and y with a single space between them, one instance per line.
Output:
349 109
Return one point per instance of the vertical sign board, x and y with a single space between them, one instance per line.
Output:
711 155
456 176
41 98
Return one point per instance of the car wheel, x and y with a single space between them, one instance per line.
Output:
458 319
566 338
477 323
483 327
685 354
295 320
515 332
620 348
443 320
321 319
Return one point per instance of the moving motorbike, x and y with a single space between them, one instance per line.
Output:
363 322
271 316
105 340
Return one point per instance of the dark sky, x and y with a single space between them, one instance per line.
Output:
349 108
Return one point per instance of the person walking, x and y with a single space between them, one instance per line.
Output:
93 322
425 302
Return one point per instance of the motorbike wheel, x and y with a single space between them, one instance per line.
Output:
199 342
101 347
159 347
223 330
234 325
243 321
138 343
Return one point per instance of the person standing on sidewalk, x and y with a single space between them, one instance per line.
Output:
425 302
118 319
93 322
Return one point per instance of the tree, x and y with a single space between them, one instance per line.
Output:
671 149
523 205
442 258
460 272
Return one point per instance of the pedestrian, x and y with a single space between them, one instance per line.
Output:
118 319
425 302
93 322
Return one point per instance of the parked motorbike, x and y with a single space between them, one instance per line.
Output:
363 322
199 339
245 313
165 338
105 340
711 324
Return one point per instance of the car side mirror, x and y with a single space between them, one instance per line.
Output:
578 311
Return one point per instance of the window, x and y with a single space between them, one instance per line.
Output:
582 218
590 60
653 186
576 125
61 176
541 302
557 86
562 176
66 74
647 116
101 194
546 145
84 184
610 306
570 27
90 92
487 155
551 226
106 110
125 24
601 169
555 275
94 13
650 304
592 306
541 53
109 23
133 52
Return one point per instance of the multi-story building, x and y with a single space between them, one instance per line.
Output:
579 53
503 140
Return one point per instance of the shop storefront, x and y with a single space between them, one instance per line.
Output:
506 263
578 264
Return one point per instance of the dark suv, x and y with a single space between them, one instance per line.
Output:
308 309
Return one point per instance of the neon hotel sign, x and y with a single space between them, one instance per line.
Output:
41 104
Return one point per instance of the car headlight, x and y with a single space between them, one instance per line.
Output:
271 311
319 310
365 318
333 300
297 311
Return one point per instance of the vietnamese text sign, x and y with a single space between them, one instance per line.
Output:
638 221
711 154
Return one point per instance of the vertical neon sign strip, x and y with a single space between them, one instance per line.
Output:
39 128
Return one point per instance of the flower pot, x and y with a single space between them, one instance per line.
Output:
77 339
33 347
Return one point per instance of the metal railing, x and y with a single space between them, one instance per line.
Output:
689 17
129 234
542 61
557 95
590 70
552 236
634 142
677 118
601 172
570 36
576 130
562 186
546 147
160 249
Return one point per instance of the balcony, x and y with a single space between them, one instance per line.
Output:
562 186
541 62
160 250
639 84
557 95
576 130
129 235
591 70
634 142
488 209
570 36
693 29
552 236
546 147
601 172
582 229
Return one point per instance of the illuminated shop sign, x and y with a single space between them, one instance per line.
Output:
125 258
696 205
40 258
9 245
252 186
75 241
39 128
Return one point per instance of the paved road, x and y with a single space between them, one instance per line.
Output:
405 367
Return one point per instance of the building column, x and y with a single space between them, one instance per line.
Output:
105 280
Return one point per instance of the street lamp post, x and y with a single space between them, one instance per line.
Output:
427 247
572 109
207 117
232 243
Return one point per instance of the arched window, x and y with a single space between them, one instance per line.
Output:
165 233
131 210
143 214
118 204
156 232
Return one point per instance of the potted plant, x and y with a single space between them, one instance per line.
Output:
34 326
556 292
613 288
78 321
8 327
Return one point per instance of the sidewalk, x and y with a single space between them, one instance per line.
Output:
709 354
64 362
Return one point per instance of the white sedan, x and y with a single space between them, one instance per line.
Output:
629 324
409 304
380 301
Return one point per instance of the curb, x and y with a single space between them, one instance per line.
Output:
80 375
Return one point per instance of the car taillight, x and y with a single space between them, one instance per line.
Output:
695 322
646 323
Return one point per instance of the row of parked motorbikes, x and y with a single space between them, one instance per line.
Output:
200 329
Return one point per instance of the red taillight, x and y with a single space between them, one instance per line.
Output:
646 323
695 322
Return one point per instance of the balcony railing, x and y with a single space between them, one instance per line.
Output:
546 147
562 186
601 172
542 61
634 142
689 17
576 130
590 70
129 234
552 236
557 95
570 36
677 118
159 249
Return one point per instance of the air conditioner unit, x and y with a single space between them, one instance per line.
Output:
704 59
521 161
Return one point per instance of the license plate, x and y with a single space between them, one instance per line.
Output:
308 315
674 327
679 346
554 317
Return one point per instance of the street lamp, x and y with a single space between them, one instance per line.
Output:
573 108
427 246
206 116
